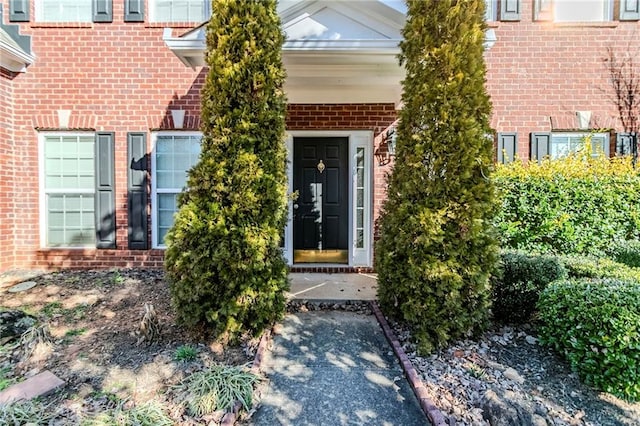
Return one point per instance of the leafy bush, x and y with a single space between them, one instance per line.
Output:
437 248
626 252
576 205
593 267
223 260
596 325
521 280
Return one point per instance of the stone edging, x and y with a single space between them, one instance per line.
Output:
429 408
230 418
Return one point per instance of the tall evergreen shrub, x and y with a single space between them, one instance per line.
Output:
437 247
223 258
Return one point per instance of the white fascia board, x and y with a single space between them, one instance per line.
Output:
13 59
354 46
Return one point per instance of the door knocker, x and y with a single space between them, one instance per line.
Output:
321 166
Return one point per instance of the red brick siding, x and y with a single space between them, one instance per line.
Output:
114 77
539 70
7 164
121 77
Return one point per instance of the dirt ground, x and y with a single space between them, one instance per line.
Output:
93 318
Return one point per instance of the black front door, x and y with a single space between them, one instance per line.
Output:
320 215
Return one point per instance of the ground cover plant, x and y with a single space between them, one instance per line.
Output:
88 333
223 256
437 248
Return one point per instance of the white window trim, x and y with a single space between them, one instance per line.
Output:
491 11
608 12
152 11
39 13
357 139
607 141
154 186
42 191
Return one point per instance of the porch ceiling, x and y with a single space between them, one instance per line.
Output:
335 52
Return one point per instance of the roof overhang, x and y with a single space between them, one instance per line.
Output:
336 51
15 48
13 58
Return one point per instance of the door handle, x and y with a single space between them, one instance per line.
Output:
295 206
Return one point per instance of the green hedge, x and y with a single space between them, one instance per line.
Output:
626 252
596 325
593 267
517 288
573 205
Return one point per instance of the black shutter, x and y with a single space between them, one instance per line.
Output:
624 144
133 10
19 10
510 10
102 11
540 146
629 10
137 190
507 147
105 191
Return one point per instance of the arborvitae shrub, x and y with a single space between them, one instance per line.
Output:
595 324
223 258
521 280
575 205
437 247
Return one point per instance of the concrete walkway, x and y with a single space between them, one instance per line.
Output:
334 368
314 286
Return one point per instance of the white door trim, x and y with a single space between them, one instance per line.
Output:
358 139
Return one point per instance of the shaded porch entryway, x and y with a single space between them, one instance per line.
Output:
332 287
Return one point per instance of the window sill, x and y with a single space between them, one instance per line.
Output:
62 25
172 24
586 24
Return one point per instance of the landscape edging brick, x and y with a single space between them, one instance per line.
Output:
428 407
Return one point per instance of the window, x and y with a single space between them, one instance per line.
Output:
578 10
491 10
64 11
174 155
564 143
179 10
69 188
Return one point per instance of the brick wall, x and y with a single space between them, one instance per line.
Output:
540 70
121 77
7 215
113 77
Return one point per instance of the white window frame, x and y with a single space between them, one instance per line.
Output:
606 4
606 137
154 183
39 12
153 18
43 192
491 10
357 139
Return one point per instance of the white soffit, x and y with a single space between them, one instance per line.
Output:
336 51
12 56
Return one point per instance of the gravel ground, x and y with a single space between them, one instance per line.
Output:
510 362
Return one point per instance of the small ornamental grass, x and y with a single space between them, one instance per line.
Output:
27 412
185 353
147 414
595 324
217 388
